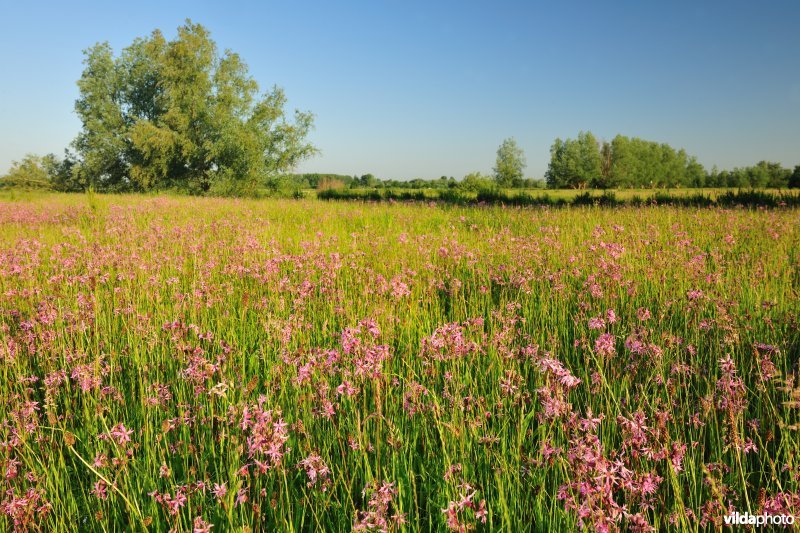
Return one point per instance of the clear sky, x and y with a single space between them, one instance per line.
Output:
407 89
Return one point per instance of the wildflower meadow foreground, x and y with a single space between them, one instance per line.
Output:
188 364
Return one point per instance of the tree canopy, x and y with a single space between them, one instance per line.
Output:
31 172
574 163
510 165
624 162
177 114
794 178
762 174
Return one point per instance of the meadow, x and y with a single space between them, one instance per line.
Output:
295 365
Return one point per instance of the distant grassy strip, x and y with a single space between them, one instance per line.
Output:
743 198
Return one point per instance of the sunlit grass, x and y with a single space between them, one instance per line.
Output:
301 365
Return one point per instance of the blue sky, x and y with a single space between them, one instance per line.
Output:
408 89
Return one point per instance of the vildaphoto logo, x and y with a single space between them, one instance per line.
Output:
747 519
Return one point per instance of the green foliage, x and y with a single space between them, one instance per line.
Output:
317 180
695 173
494 195
510 165
367 180
283 186
178 115
32 172
574 164
764 174
176 363
605 180
475 182
43 172
624 162
607 199
794 179
640 163
777 176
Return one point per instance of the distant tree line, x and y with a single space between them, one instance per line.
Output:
473 181
115 161
586 163
763 174
627 162
58 174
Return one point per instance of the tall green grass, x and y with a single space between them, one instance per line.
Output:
189 320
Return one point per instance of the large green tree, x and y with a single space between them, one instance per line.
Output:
575 163
178 114
695 173
510 165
